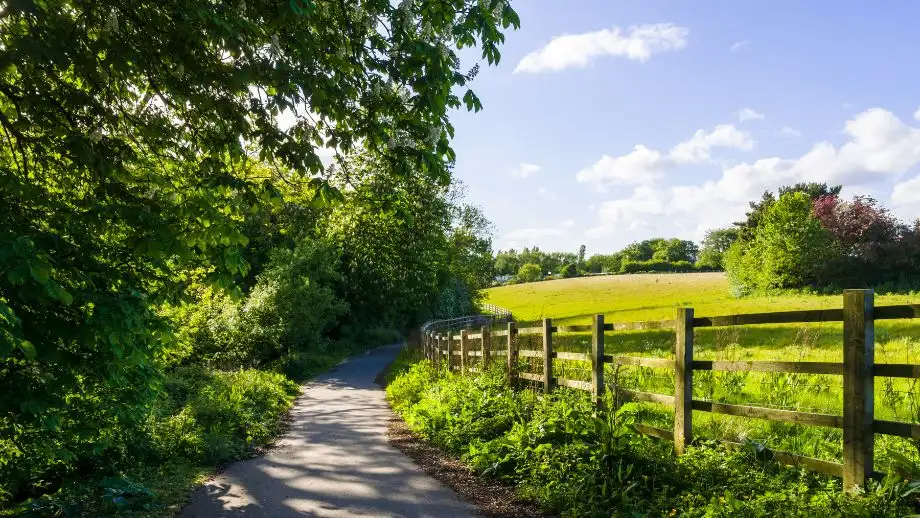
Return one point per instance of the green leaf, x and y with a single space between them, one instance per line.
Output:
27 349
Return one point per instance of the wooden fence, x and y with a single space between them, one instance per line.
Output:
858 369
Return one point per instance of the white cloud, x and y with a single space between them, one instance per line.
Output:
698 147
577 50
525 170
879 148
917 114
747 114
642 165
617 215
789 132
739 45
907 192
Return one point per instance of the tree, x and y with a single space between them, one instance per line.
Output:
789 249
859 227
507 262
529 272
581 254
673 250
129 130
715 244
814 191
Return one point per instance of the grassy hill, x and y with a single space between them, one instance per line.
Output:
625 298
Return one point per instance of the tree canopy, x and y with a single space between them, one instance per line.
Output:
146 147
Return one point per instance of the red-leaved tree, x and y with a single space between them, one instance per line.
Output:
860 227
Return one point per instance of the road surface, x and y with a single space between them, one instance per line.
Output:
334 461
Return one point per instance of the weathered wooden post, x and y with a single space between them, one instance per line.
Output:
683 380
511 356
486 348
597 361
858 387
439 350
450 351
547 355
464 352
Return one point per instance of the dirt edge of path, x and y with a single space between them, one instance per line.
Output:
491 499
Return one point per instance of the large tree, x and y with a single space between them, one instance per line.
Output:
127 135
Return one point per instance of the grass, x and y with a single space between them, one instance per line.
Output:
574 461
627 298
655 297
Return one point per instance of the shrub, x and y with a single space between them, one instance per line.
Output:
568 271
576 462
529 272
212 416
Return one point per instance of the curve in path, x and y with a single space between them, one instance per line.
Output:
333 461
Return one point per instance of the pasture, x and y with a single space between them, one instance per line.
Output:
629 298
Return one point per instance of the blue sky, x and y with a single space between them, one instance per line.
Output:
609 122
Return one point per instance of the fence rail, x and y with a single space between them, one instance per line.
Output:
858 370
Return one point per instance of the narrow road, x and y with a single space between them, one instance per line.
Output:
334 461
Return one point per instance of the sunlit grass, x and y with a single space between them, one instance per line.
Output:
656 297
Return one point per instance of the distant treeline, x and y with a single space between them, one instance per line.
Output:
802 237
650 255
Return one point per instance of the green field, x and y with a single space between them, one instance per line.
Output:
626 298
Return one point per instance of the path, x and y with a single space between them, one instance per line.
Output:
334 461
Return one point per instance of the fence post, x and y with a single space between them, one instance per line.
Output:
440 350
547 355
464 350
512 355
858 387
597 361
486 347
450 351
683 380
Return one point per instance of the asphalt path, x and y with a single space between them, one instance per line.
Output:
333 461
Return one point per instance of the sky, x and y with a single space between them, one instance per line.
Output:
611 122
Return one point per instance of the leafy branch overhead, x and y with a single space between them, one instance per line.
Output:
151 152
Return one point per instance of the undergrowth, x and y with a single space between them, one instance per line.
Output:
575 461
203 418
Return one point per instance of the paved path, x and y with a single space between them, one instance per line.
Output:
334 460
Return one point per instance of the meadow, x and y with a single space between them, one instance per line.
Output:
626 298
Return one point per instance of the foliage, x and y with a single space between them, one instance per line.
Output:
829 243
576 462
200 417
508 262
656 265
715 244
752 220
568 271
659 249
529 272
143 145
600 263
789 248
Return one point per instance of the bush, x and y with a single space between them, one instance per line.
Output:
207 416
529 272
291 309
577 463
568 271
